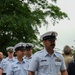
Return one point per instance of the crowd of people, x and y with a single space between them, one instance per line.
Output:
44 62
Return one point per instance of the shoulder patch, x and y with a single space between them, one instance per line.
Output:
57 52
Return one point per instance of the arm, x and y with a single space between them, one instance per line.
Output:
64 72
0 71
30 73
33 66
63 68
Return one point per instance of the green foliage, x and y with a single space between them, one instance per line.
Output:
19 20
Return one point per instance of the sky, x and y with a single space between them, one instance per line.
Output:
65 28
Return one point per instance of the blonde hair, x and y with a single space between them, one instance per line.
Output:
67 49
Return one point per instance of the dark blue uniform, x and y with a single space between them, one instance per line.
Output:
71 68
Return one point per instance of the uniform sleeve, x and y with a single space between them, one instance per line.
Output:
1 64
63 66
10 70
33 64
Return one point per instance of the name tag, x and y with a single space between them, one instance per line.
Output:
43 60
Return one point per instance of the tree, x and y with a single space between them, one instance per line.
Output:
20 19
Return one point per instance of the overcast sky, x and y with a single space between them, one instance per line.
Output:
65 28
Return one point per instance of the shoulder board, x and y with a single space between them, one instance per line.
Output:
57 52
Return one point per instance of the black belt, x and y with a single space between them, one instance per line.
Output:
3 73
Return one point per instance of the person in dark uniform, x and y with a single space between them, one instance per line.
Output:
71 67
